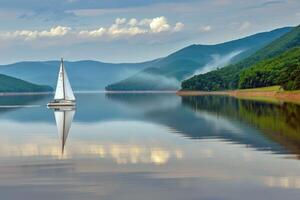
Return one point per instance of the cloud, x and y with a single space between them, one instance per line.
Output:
267 3
205 28
133 22
57 31
159 24
48 15
134 27
95 33
116 31
120 21
244 26
54 10
178 27
81 4
121 28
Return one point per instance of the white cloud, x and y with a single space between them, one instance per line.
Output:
244 26
116 31
121 28
133 22
159 24
120 21
205 28
57 31
145 22
134 27
94 33
178 27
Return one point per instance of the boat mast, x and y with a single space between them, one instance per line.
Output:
63 77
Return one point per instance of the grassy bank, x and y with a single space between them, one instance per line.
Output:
273 93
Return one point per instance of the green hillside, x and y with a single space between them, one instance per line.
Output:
282 70
168 72
10 84
228 77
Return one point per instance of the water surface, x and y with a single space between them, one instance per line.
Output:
150 146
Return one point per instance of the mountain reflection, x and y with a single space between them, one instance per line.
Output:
203 124
263 126
279 122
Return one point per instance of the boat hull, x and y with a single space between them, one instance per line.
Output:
61 104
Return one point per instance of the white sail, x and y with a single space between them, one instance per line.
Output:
63 120
59 92
69 95
63 88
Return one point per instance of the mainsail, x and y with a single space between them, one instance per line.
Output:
63 120
63 87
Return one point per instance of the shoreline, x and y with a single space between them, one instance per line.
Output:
262 94
23 93
91 91
286 96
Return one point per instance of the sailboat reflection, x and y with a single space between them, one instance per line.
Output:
63 117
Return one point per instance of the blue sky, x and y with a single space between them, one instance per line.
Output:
130 30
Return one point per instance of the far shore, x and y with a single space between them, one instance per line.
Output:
266 94
23 93
274 94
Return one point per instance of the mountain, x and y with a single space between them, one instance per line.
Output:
11 84
282 70
229 77
83 75
166 73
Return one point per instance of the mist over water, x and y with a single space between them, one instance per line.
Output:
163 81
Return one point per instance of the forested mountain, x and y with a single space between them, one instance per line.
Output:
282 70
229 77
166 73
10 84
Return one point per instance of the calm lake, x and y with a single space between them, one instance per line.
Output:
149 146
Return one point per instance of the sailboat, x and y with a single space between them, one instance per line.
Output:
64 95
63 117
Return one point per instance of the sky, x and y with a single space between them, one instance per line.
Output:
130 30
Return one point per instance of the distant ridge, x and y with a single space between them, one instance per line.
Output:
166 73
10 84
83 75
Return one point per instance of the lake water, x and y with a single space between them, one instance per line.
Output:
149 146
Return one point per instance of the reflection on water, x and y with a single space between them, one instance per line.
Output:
149 146
64 118
278 122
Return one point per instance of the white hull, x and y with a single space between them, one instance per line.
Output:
61 104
